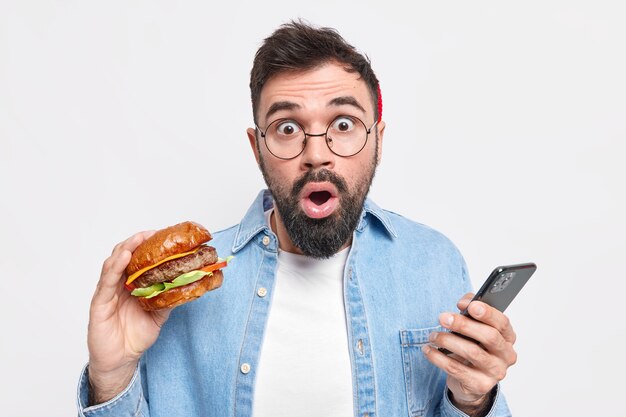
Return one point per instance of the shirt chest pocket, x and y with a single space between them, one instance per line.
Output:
422 379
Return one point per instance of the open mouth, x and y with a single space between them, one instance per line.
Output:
319 197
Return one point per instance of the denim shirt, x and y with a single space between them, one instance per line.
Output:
398 278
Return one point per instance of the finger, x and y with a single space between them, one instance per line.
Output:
471 352
473 380
112 271
483 333
114 266
494 318
464 301
132 242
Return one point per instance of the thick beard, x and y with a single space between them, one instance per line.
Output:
320 238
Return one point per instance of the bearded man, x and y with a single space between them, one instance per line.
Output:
332 304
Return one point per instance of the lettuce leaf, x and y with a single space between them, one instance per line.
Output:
156 289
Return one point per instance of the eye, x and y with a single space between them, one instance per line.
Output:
287 128
343 124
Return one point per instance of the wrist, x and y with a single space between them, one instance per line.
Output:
104 386
474 408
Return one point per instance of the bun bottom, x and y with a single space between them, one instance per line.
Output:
182 295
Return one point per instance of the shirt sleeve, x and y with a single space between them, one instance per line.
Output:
129 403
499 408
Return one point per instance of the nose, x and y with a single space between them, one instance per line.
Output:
316 153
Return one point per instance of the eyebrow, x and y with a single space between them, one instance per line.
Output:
290 105
281 105
346 100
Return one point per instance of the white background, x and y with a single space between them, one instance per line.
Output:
506 131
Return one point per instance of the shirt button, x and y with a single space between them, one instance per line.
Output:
359 346
266 240
245 368
262 292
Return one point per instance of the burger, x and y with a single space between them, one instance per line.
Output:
174 266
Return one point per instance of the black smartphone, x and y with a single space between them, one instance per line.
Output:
499 290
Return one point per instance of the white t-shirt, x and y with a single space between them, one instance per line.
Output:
304 366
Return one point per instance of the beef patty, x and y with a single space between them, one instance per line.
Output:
169 270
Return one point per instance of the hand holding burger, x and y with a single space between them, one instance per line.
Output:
174 266
164 269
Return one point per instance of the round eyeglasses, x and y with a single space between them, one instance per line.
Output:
345 136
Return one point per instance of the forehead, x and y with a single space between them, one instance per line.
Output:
315 89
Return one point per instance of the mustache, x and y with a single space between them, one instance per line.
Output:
319 176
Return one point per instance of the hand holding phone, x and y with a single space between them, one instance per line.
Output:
500 288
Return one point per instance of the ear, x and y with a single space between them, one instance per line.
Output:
381 132
251 132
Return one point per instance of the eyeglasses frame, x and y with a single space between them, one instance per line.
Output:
325 134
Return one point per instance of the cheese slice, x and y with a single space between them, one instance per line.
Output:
169 258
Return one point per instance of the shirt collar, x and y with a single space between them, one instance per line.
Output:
254 220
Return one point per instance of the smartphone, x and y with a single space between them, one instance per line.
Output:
499 290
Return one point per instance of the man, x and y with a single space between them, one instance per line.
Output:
331 302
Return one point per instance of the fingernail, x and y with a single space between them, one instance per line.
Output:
432 337
426 348
447 319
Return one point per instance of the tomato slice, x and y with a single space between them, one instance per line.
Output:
130 287
214 267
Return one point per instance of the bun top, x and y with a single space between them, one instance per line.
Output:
182 237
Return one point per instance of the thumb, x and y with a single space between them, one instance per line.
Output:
161 316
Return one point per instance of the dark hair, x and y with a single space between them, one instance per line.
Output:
298 46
